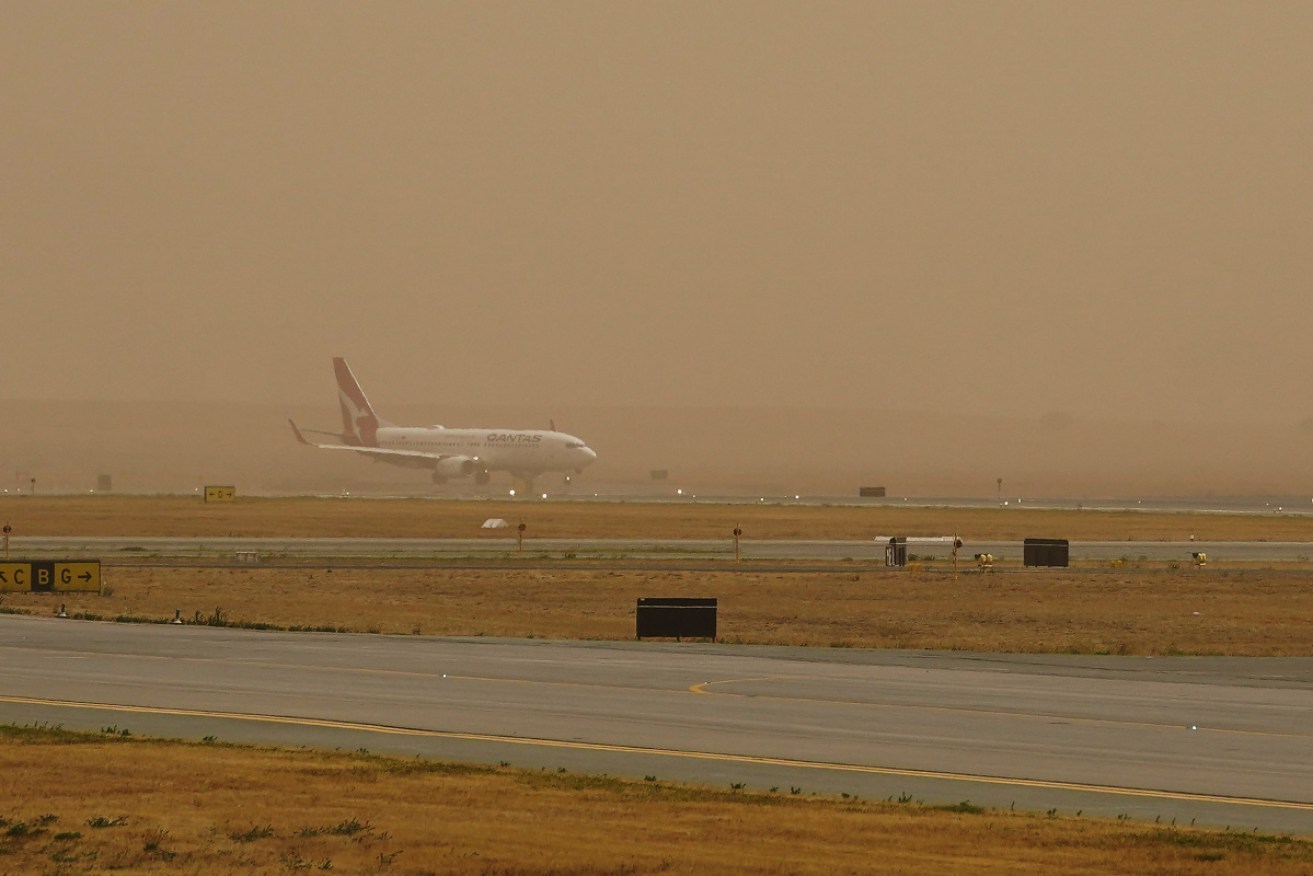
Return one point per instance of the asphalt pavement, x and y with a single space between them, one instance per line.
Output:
1216 741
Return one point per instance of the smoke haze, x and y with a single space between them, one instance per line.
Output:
922 244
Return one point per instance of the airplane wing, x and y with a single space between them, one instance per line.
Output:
296 431
378 452
338 435
383 452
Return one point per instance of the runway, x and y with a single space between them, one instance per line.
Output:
127 549
1216 741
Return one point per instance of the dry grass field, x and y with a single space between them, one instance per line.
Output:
77 803
99 804
422 518
1114 611
1131 608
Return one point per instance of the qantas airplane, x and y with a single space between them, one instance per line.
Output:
448 453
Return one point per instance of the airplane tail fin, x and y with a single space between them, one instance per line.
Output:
359 422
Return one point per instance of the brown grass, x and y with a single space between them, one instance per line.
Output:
1117 611
89 804
202 809
1138 608
400 518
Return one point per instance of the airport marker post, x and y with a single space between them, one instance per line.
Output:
519 536
8 529
737 533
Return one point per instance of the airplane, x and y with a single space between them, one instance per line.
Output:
449 453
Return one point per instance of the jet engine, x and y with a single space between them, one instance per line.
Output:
452 467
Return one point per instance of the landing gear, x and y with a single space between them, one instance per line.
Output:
481 478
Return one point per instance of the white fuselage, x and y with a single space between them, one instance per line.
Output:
519 451
447 453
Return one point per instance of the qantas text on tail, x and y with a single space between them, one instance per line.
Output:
448 453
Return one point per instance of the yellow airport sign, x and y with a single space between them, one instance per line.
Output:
77 575
220 494
15 576
47 576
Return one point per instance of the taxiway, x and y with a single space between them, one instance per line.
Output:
1217 741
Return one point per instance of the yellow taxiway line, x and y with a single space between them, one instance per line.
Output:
1179 796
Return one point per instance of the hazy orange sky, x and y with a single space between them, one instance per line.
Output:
1090 207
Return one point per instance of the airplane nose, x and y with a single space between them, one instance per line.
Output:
588 454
